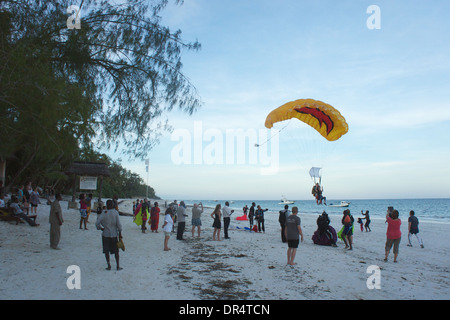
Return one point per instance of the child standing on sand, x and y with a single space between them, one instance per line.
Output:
360 224
83 210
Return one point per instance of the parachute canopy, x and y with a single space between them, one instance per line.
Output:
314 172
321 116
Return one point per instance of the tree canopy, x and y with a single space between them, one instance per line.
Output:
109 83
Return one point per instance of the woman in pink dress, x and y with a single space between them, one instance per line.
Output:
154 217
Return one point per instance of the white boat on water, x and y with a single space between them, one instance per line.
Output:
341 204
285 201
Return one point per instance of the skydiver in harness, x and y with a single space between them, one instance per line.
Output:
317 191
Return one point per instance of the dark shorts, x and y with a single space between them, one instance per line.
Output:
293 243
110 245
83 213
348 230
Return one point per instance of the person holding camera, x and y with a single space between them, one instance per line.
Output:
393 233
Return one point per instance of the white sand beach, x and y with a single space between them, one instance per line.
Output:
248 266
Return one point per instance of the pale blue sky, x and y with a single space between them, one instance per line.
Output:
392 85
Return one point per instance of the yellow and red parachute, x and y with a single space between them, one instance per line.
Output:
324 118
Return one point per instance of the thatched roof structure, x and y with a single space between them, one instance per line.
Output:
88 169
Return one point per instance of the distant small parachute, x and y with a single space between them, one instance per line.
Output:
315 174
321 116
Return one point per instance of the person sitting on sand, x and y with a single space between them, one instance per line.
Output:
18 212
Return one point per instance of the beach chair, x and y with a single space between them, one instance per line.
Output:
6 214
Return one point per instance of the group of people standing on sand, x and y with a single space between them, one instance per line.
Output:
394 235
255 212
25 200
149 214
108 222
176 214
291 230
290 222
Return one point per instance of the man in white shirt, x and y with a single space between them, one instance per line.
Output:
226 213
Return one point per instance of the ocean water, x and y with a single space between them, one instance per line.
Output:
437 210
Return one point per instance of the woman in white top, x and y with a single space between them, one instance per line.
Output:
167 227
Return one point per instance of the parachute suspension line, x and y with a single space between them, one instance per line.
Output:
271 136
